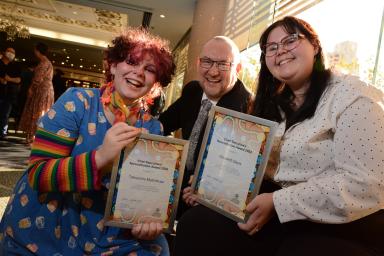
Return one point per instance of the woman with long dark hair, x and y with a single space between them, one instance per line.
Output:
323 189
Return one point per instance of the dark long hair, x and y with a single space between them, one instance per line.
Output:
42 48
272 95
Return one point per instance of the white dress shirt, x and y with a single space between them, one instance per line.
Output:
331 166
214 103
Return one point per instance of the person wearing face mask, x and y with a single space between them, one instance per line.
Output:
323 190
57 207
10 78
216 84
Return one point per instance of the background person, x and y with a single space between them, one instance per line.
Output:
58 82
26 80
10 78
40 93
327 161
58 204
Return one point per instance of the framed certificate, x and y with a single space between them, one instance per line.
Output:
231 161
146 182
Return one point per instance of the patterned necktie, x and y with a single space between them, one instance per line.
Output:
196 130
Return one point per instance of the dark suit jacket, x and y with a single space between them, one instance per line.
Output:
184 111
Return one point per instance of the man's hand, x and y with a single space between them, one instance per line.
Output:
261 210
147 231
189 197
12 79
3 81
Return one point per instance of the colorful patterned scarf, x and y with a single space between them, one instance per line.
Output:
112 100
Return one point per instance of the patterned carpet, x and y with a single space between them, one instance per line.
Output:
13 160
3 204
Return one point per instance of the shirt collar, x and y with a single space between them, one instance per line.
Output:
205 97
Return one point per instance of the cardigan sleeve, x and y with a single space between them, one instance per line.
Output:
51 166
354 189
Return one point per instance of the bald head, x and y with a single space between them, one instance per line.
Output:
235 52
219 64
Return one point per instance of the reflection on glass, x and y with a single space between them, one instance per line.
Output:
378 77
349 47
343 27
250 60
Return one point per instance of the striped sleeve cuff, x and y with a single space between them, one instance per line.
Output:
52 169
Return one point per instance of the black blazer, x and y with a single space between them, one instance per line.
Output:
184 111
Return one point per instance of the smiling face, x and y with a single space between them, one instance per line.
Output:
134 78
214 81
291 67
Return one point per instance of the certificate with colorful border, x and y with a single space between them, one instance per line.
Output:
232 160
146 182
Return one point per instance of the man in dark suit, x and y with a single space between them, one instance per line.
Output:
218 66
10 78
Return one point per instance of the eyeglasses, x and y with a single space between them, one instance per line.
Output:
207 63
288 43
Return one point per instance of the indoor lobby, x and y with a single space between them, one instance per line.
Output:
77 32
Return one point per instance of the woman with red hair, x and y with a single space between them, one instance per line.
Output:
58 204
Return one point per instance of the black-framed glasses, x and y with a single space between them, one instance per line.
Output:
207 63
288 43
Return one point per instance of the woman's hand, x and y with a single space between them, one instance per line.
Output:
116 138
189 197
147 231
261 210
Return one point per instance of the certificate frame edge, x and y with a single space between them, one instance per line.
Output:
259 173
115 169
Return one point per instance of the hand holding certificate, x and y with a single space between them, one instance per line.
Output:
232 160
146 181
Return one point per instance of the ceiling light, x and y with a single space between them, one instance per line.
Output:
23 59
162 16
71 64
67 37
81 66
62 63
67 57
